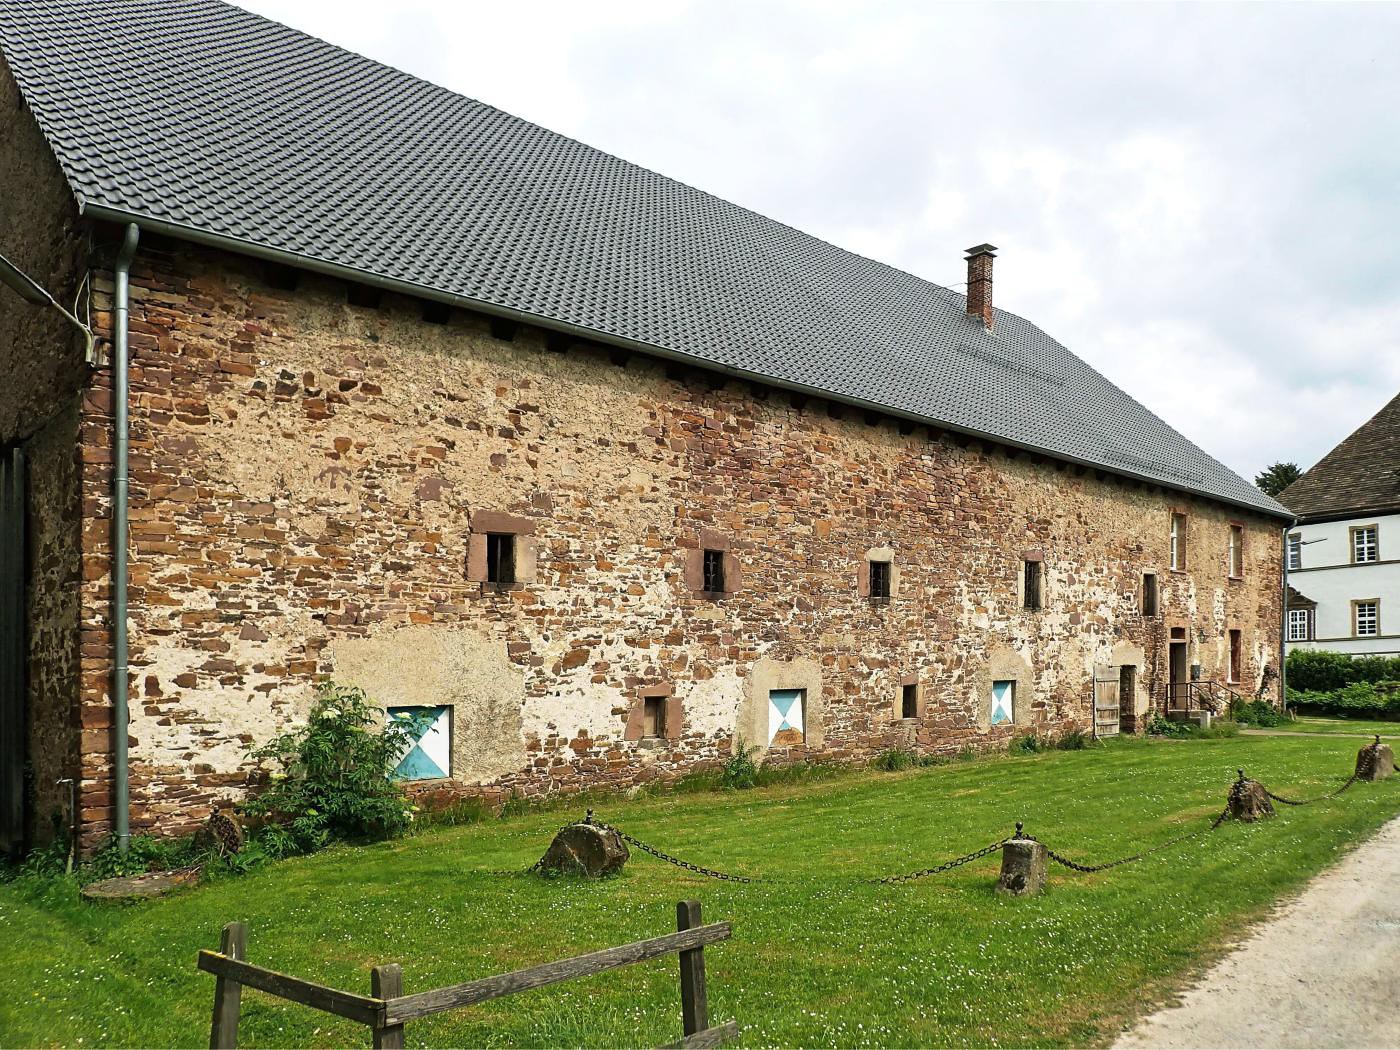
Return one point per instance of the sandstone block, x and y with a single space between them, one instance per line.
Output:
1023 868
1249 801
586 849
1375 761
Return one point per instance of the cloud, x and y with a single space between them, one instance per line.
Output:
1199 200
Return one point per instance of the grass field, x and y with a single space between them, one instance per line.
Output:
819 957
1343 726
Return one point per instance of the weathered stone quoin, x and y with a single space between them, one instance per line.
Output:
1024 864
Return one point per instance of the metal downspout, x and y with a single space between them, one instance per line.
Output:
121 787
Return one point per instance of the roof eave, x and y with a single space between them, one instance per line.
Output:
179 231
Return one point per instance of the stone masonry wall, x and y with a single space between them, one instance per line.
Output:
42 365
305 478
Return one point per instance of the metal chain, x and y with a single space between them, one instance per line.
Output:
709 873
1089 869
1373 749
890 880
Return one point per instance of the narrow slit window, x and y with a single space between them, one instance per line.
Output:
1235 656
500 558
909 701
714 572
654 717
1033 576
879 579
1179 542
1236 553
1149 594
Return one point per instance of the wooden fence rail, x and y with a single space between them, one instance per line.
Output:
386 1009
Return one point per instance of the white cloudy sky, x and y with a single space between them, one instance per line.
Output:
1202 201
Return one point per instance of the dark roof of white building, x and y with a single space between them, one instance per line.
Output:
202 120
1359 476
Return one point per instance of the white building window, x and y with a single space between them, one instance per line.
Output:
1295 551
1366 618
1236 552
1364 545
1299 624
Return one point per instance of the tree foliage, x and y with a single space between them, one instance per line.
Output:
1277 477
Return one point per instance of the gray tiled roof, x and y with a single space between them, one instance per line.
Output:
200 114
1361 475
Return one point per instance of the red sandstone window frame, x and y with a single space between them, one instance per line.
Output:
903 695
1234 551
1365 543
1375 617
1180 532
487 523
1150 596
1235 644
693 565
1032 581
671 718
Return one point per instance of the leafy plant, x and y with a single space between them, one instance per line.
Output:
1320 670
741 772
330 778
1029 744
1074 740
1258 713
1357 700
1159 726
894 760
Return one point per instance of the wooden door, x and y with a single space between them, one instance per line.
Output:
1106 702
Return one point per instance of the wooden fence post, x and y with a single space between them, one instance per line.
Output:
695 1008
386 982
228 993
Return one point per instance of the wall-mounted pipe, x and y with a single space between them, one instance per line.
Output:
121 787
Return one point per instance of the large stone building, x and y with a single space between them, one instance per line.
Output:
602 471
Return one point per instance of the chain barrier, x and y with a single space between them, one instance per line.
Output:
889 880
968 858
709 873
1090 869
1371 749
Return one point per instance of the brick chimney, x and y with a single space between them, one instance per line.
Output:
979 282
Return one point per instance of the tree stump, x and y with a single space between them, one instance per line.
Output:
1023 867
585 849
1375 761
1249 801
141 887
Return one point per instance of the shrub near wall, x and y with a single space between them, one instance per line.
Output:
1321 671
1358 700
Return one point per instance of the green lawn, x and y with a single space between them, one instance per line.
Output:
1345 726
819 958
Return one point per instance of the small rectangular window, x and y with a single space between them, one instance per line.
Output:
1003 703
500 558
1234 668
1295 551
1149 594
1299 624
714 572
654 717
1179 542
909 701
1032 588
425 742
879 579
1236 558
1364 545
1366 618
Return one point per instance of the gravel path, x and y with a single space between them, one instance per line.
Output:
1324 972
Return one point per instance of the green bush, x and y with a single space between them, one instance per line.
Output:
1357 700
894 761
330 778
1030 744
1258 713
1322 671
1074 740
741 772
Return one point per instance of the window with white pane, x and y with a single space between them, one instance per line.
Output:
1299 625
1365 544
1366 618
1295 551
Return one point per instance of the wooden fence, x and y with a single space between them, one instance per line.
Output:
386 1009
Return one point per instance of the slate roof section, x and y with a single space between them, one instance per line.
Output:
199 114
1359 476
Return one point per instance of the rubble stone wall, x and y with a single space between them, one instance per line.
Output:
305 475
